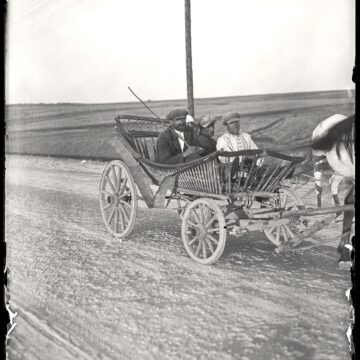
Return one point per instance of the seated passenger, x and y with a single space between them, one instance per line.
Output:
175 145
206 132
233 139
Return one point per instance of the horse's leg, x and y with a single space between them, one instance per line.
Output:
334 182
345 237
318 186
318 163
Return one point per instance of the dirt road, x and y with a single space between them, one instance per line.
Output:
82 294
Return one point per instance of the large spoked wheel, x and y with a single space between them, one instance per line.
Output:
118 199
203 231
280 234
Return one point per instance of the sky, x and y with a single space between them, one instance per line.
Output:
90 51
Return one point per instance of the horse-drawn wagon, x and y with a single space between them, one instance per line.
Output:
212 198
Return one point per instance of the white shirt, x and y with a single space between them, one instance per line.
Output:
181 139
230 142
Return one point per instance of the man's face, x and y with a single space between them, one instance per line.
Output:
179 124
233 128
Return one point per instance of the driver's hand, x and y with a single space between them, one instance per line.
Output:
200 150
190 150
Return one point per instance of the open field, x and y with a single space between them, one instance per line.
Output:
276 121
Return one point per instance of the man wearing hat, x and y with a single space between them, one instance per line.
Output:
205 139
233 139
175 145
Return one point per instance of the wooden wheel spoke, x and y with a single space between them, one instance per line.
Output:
207 215
106 193
126 204
116 220
111 184
198 248
118 182
201 216
122 222
284 233
272 229
285 200
193 240
215 241
193 212
115 177
122 188
289 231
191 223
111 215
124 194
210 221
210 245
126 217
213 230
278 235
204 250
107 206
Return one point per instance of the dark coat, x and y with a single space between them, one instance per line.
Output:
207 143
168 149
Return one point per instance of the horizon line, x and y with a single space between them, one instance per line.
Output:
184 99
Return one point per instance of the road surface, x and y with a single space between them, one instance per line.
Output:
82 294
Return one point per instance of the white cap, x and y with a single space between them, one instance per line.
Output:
189 119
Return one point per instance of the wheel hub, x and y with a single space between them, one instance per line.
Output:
114 199
202 232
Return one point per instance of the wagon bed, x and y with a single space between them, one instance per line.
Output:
212 197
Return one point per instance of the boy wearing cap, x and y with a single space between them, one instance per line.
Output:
175 145
206 132
233 139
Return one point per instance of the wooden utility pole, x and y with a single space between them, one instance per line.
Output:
189 74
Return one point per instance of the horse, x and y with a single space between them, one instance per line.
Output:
337 143
320 163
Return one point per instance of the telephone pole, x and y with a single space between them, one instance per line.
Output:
189 74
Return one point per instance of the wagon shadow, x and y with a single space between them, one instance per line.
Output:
158 219
255 251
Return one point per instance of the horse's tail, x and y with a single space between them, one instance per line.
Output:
348 141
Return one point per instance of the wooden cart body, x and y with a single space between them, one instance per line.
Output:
213 198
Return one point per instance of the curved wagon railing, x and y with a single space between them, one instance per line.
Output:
244 194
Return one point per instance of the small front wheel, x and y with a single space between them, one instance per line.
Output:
203 231
118 199
280 234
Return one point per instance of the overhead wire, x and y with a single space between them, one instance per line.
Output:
49 17
18 15
55 19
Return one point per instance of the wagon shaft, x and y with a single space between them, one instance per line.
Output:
255 225
320 211
317 226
